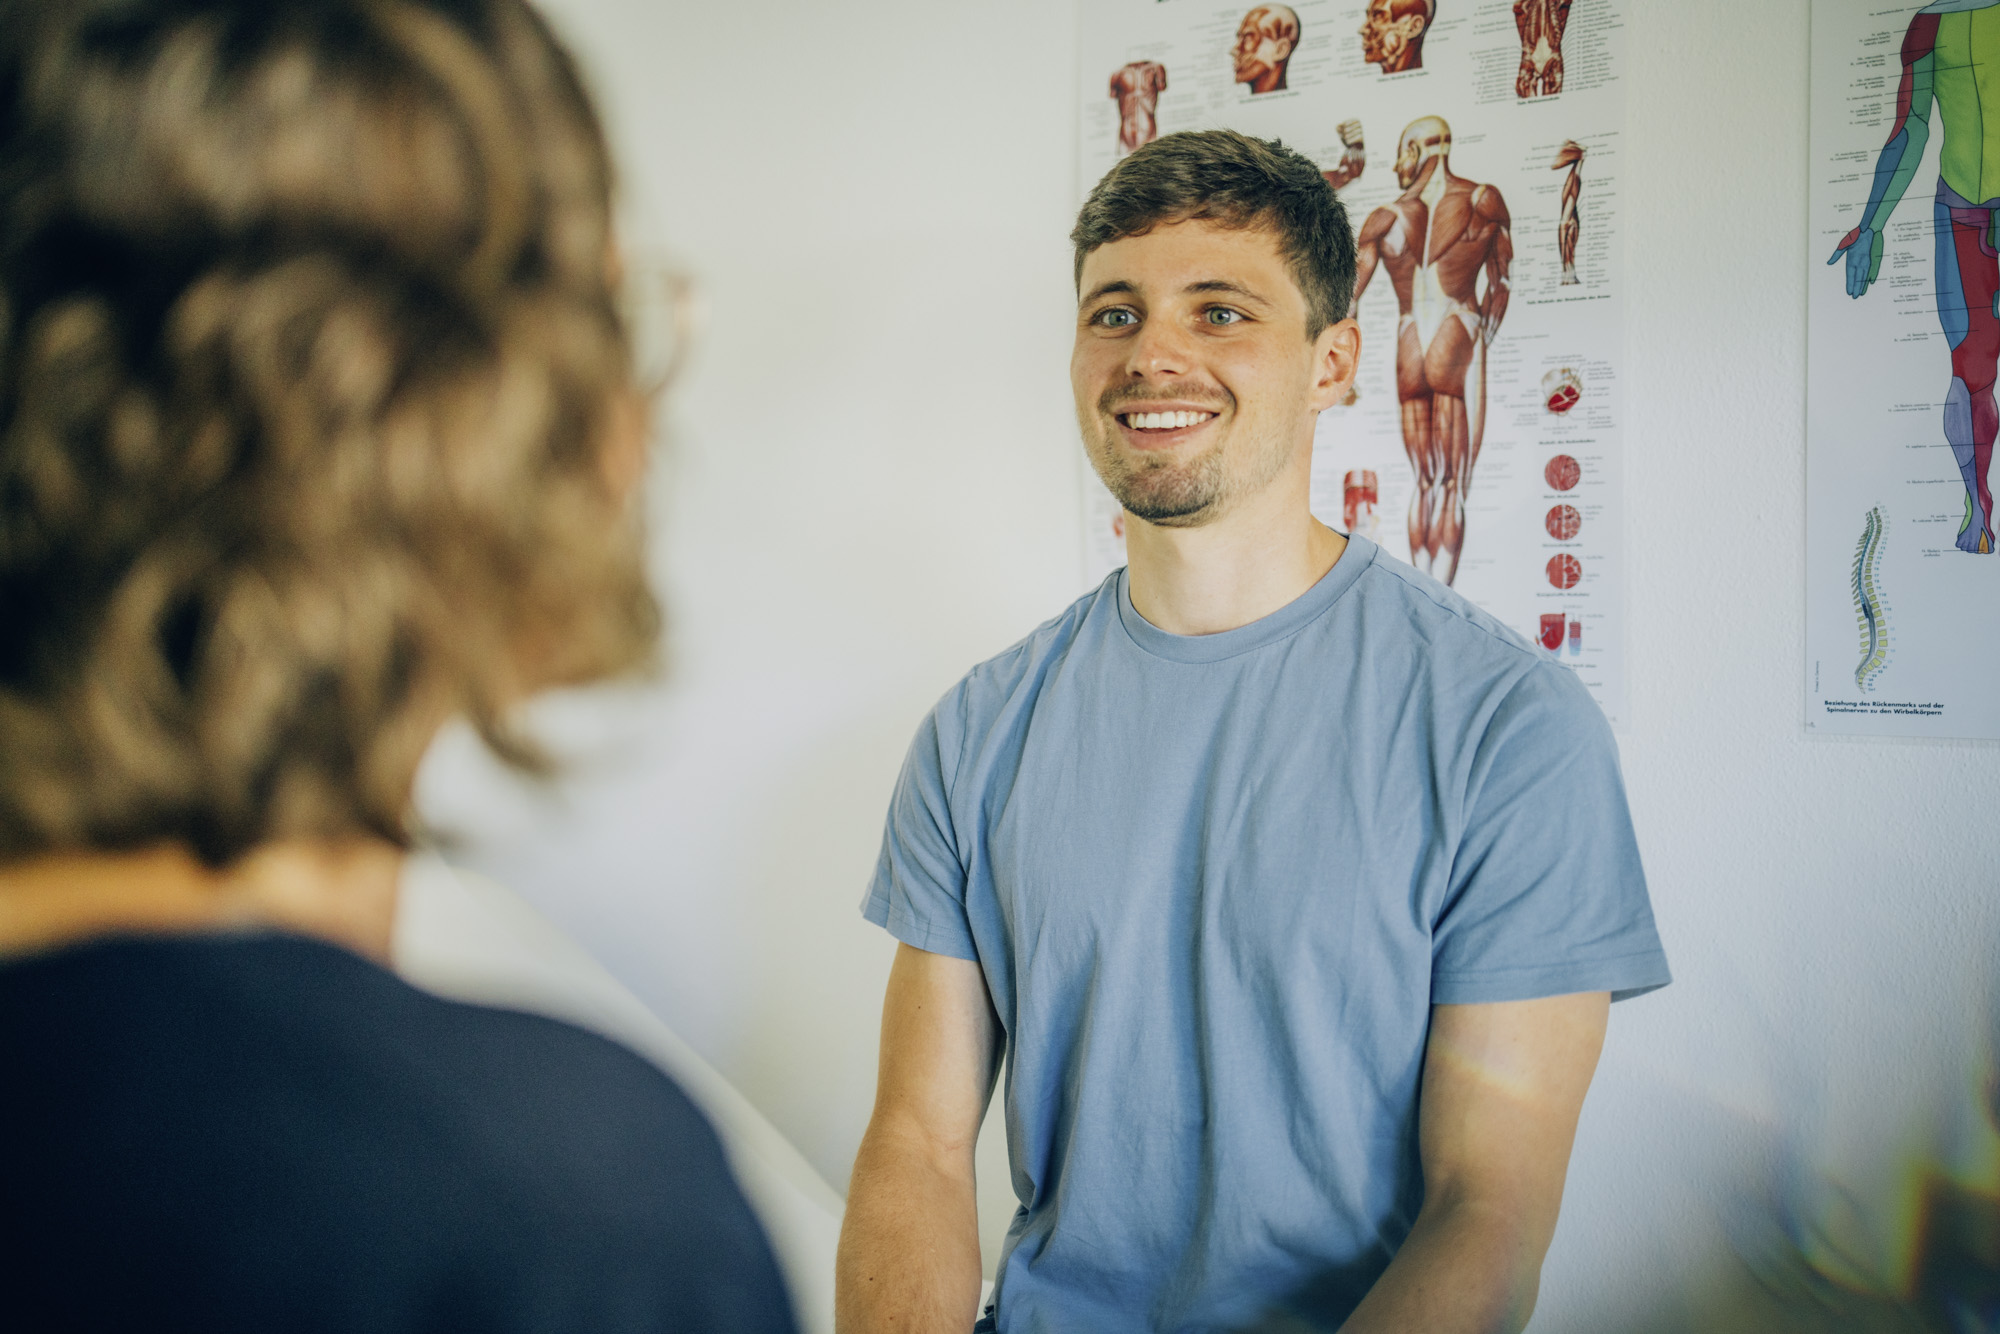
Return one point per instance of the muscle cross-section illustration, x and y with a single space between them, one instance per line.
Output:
1137 88
1353 156
1392 33
1870 616
1265 41
1569 222
1541 24
1436 240
1951 61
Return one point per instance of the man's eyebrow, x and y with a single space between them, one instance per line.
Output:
1106 289
1224 286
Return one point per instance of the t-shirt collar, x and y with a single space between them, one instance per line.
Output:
1286 620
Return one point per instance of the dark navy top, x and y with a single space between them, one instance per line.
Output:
265 1133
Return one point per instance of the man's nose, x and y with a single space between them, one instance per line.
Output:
1161 348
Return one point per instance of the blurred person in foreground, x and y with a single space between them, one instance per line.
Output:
1294 888
318 427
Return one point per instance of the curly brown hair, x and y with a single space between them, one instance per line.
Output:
309 356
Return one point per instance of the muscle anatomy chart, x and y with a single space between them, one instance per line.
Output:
1136 88
1437 240
1902 363
1484 440
1569 223
1541 24
1353 156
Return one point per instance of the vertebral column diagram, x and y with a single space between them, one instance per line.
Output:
1870 615
1137 88
1437 241
1951 61
1541 24
1569 223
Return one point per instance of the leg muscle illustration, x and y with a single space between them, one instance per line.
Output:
1358 494
1569 224
1265 41
1353 156
1436 240
1392 33
1948 53
1541 24
1137 88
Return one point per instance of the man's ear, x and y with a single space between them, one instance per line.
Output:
1336 360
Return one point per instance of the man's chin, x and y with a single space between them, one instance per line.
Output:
1191 519
1169 510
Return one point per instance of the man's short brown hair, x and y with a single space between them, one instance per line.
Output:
308 352
1229 178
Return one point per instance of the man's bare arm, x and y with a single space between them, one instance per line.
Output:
1503 1086
909 1248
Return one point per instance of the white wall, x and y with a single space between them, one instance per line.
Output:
872 487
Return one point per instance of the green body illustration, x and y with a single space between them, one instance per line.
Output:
1951 62
1965 79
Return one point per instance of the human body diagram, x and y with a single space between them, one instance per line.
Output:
1392 33
1265 41
1137 88
1435 240
1541 24
1353 156
1569 222
1951 62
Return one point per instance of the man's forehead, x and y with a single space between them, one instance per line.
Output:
1195 249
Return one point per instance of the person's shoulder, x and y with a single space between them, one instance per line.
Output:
286 1010
585 1112
387 1129
986 689
1463 652
1443 620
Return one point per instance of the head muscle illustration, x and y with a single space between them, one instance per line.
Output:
1392 33
1265 41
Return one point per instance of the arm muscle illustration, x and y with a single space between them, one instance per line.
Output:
1900 157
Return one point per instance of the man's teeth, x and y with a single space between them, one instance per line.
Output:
1164 421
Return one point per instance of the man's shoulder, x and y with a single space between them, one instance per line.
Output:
1439 619
987 688
1505 688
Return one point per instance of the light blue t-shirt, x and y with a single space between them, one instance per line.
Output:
1215 884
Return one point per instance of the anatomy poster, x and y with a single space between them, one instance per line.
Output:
1478 146
1902 579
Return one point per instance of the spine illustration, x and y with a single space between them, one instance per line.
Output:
1870 615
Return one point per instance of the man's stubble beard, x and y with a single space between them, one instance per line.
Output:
1186 494
1176 494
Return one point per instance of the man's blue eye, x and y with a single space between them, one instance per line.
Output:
1223 315
1117 317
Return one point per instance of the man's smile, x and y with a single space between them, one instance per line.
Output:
1162 428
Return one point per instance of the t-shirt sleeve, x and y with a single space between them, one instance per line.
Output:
1546 896
918 891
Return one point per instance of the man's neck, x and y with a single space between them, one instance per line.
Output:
1239 569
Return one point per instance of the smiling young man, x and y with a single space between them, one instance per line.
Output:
1251 846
